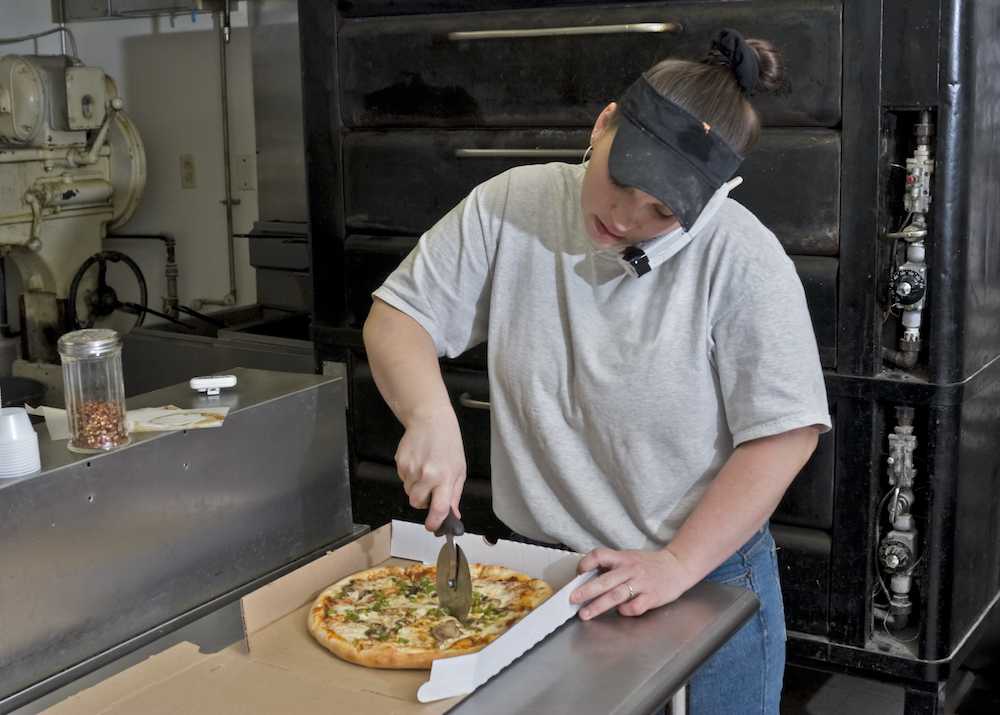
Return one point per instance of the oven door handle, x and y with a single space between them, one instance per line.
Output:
520 153
629 29
465 400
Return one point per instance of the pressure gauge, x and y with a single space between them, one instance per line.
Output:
907 286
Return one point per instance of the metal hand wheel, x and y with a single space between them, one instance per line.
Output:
104 301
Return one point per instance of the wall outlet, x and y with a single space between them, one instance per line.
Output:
189 179
245 174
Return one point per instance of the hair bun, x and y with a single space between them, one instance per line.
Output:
770 65
756 64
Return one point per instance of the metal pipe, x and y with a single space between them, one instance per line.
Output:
229 201
902 358
62 27
223 41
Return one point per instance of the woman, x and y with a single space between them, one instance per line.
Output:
650 412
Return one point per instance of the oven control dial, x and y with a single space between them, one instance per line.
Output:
895 556
907 286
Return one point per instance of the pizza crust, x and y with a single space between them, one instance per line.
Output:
351 642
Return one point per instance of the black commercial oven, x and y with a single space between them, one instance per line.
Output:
878 170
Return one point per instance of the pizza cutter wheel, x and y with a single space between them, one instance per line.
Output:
454 581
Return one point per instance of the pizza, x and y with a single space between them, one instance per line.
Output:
390 617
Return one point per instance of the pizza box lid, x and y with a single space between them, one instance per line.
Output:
290 597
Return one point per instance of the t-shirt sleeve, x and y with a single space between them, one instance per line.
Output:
444 283
768 361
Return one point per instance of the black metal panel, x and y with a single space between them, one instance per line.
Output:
859 439
819 280
937 582
948 258
976 562
407 72
804 565
377 431
911 33
427 172
792 184
962 537
982 201
321 135
862 256
791 178
809 500
369 261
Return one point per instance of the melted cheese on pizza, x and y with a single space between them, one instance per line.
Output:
402 608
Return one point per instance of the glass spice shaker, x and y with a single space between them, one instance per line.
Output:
95 390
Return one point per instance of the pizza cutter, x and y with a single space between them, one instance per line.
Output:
454 581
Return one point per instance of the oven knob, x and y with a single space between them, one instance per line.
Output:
895 556
907 286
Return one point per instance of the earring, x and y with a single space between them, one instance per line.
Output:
586 154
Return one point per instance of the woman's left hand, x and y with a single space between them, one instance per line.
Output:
655 577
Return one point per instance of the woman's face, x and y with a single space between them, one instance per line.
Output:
616 215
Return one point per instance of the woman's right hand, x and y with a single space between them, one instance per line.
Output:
430 459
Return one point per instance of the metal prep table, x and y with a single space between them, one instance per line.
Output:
156 534
612 664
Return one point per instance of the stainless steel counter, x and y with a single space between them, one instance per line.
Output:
102 553
612 664
618 665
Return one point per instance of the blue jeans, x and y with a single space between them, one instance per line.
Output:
744 677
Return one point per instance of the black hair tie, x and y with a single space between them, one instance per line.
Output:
736 53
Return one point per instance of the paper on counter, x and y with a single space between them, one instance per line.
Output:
159 419
147 419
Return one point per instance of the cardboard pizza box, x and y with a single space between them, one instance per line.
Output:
279 667
286 603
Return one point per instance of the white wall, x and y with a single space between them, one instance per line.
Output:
167 70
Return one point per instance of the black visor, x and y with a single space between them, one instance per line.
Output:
670 154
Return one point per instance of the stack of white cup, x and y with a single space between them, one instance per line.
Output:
18 444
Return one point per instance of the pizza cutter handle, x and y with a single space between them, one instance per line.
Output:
451 525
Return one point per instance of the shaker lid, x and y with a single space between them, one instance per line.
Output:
89 342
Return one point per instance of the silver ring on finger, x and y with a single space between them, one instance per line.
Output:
631 593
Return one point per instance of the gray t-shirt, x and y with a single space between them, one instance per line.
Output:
615 400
